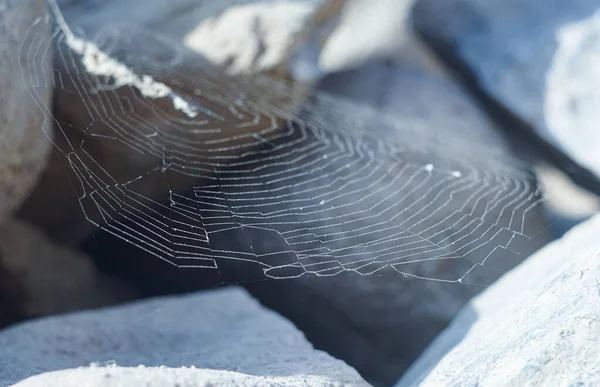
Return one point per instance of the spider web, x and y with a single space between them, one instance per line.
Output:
250 173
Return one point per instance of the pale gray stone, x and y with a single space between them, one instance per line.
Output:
25 131
347 34
53 278
223 330
113 376
433 205
538 325
238 35
539 59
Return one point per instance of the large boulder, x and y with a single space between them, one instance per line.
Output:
37 276
218 331
538 325
536 58
100 57
25 129
345 34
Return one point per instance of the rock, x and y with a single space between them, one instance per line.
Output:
366 30
221 331
25 131
163 376
566 203
40 277
536 58
406 92
571 100
252 38
57 203
538 325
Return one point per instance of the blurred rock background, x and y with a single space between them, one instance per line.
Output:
496 71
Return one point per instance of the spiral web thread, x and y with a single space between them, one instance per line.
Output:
252 174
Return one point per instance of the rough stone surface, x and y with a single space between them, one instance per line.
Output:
344 35
417 97
43 278
24 131
538 325
182 377
241 36
56 204
222 330
367 30
252 38
393 293
537 58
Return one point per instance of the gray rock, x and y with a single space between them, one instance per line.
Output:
538 325
537 58
25 131
222 330
47 278
366 29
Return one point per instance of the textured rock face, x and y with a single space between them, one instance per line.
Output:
25 132
537 58
344 35
224 330
416 213
538 325
44 278
572 98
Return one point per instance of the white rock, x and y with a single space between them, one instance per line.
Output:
221 330
24 131
242 36
251 38
538 325
572 103
346 34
